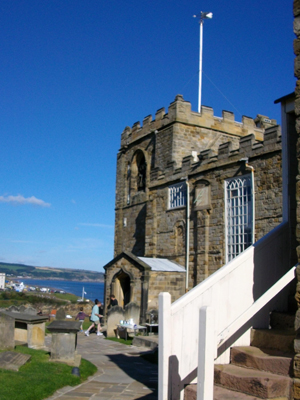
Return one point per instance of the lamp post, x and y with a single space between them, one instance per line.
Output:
202 16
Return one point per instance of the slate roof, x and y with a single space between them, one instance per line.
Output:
162 264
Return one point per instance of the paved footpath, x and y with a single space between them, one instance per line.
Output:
121 375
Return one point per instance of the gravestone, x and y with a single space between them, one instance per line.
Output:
7 332
64 342
13 309
132 310
28 329
60 314
22 309
13 361
31 311
114 316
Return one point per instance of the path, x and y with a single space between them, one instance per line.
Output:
121 375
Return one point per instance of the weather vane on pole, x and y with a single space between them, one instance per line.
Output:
202 16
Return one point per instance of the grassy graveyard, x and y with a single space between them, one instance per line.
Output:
39 378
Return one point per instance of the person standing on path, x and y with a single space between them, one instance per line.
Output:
113 300
95 319
81 316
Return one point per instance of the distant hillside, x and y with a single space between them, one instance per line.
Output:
21 270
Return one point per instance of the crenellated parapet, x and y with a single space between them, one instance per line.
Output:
249 147
180 111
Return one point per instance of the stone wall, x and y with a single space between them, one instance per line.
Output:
171 282
207 150
297 112
297 108
127 273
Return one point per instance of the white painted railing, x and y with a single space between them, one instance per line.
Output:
230 294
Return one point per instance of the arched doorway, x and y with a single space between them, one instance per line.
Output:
121 288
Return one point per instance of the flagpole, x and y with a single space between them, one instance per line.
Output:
202 16
82 293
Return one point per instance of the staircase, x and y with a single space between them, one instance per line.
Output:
260 371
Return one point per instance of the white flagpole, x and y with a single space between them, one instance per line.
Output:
203 15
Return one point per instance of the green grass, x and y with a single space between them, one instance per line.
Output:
9 298
123 341
66 296
39 378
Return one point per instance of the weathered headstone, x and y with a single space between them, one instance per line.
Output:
13 361
28 328
7 332
114 316
22 309
13 309
64 341
132 311
60 314
31 311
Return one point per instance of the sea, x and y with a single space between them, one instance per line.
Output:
93 290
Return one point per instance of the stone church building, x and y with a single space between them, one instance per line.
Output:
192 192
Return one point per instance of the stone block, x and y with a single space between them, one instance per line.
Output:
31 311
296 389
60 314
132 310
297 366
13 361
36 335
63 348
114 316
7 327
296 8
297 345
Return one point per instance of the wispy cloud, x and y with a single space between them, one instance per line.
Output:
24 200
95 225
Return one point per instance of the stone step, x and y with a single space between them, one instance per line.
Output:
279 320
221 393
273 339
261 384
268 360
145 341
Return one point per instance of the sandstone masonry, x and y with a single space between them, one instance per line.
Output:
196 153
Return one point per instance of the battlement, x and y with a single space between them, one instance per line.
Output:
249 147
179 111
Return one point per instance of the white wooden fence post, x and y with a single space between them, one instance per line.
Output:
164 344
205 387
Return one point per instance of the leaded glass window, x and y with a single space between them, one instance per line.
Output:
177 195
239 215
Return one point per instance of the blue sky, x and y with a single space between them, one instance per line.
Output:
75 73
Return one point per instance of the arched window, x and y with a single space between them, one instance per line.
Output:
138 172
141 178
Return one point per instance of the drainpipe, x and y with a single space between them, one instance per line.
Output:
247 166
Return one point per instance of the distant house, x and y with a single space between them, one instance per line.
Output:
2 281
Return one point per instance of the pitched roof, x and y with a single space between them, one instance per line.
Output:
162 264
